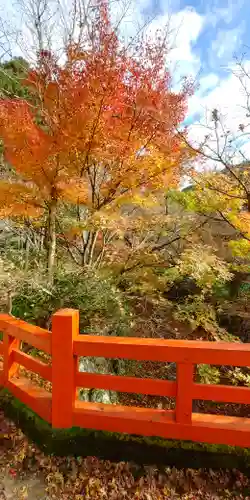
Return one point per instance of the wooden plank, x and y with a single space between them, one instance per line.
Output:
1 347
185 374
216 429
221 393
179 351
10 368
65 328
154 387
133 412
1 374
31 395
32 364
33 335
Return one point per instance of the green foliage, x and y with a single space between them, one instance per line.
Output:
238 377
103 308
186 199
12 74
204 267
201 199
221 291
208 374
211 274
240 248
197 312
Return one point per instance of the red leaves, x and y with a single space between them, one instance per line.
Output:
51 97
26 145
96 114
12 472
31 81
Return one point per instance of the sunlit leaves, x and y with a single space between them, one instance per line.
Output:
99 135
18 199
200 263
240 248
73 190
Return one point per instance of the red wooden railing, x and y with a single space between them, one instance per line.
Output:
63 410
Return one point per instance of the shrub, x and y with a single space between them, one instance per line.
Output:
103 308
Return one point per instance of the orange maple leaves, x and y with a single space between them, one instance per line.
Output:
107 122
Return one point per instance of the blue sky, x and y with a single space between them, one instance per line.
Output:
209 35
224 28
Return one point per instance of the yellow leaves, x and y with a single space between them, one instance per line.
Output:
242 221
107 219
201 264
20 210
240 248
245 217
139 198
75 191
18 199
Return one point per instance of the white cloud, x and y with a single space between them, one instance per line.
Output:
226 44
229 98
208 82
184 28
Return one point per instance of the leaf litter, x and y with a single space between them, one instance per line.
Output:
26 473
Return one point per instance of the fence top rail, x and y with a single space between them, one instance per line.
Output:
33 335
182 351
180 344
137 348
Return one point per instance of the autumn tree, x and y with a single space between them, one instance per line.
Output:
221 186
102 134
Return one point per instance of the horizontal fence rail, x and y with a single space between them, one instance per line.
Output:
179 351
62 408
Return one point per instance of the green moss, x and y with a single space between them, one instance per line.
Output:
120 447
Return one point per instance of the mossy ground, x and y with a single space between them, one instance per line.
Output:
121 447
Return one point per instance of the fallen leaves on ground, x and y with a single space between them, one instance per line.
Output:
77 478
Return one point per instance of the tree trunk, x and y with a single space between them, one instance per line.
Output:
85 242
87 255
9 302
248 202
27 254
51 241
99 259
92 247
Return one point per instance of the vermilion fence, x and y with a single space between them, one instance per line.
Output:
63 409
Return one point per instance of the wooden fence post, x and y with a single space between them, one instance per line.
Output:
10 368
65 328
185 374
